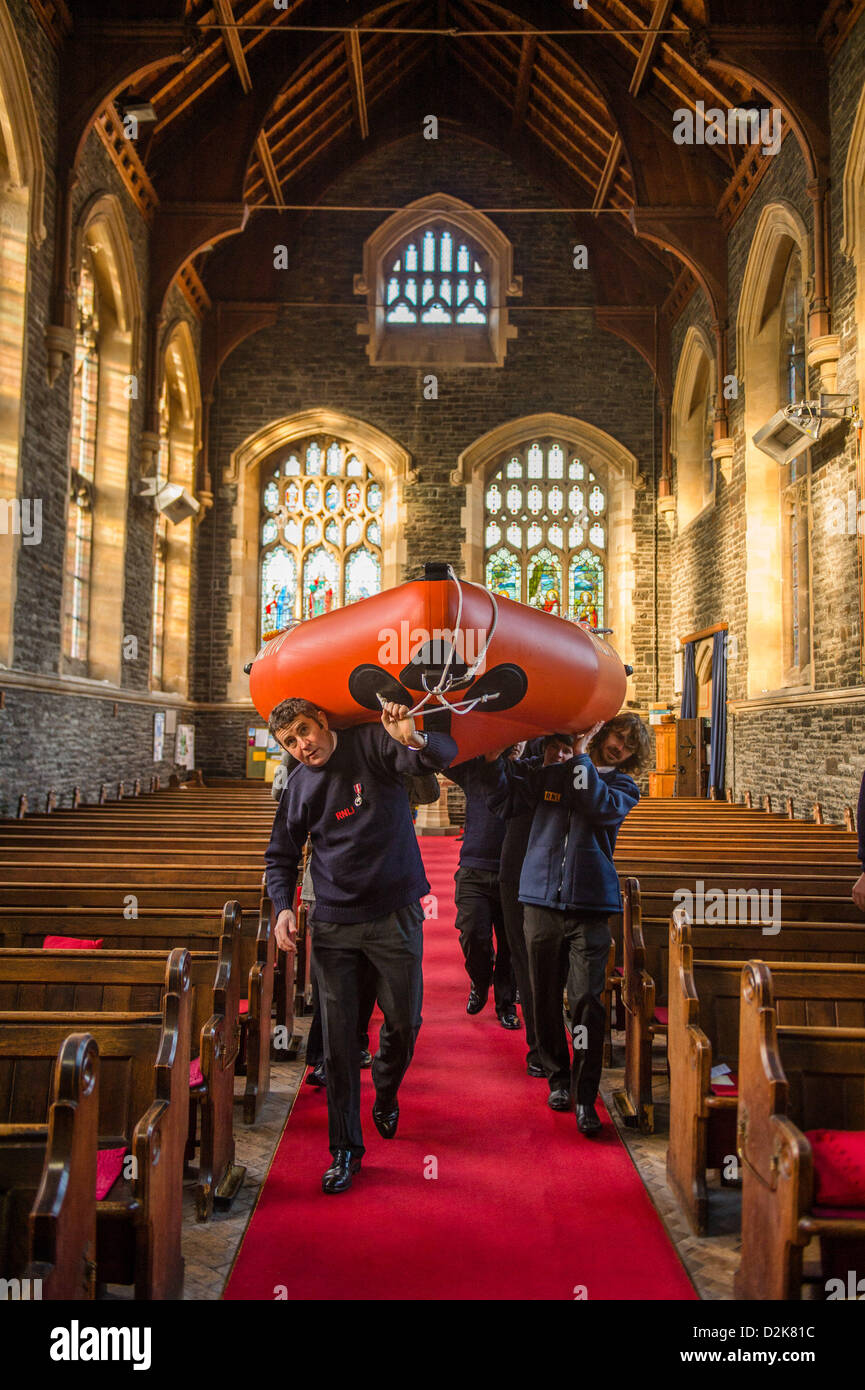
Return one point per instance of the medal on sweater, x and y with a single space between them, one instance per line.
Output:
358 794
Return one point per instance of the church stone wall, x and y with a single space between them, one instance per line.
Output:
314 358
807 747
60 738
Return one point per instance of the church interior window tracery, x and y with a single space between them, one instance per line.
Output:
546 547
321 541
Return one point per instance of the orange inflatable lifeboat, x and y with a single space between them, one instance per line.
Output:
479 666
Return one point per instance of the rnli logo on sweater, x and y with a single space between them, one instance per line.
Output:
552 796
358 801
346 811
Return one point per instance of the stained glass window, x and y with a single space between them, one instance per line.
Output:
587 587
438 277
503 574
555 534
321 540
82 470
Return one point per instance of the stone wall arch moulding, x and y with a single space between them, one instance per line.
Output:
19 126
430 344
778 221
695 381
388 462
597 450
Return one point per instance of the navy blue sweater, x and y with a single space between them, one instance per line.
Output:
569 859
518 827
365 859
485 832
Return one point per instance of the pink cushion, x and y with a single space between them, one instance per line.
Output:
661 1013
70 943
196 1076
244 1006
839 1166
718 1089
109 1165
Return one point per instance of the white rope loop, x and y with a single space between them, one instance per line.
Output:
446 681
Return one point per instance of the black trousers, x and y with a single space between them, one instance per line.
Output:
392 948
479 916
512 917
568 948
366 1004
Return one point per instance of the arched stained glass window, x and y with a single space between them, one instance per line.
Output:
320 538
437 277
555 533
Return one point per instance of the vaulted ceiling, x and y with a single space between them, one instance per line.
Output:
261 104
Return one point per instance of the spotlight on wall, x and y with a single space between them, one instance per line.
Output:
171 500
794 429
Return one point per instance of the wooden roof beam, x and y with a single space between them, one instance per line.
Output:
233 45
660 15
354 60
265 159
611 168
524 80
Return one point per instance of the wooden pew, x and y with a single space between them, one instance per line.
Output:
791 1079
143 1107
134 982
647 908
48 1183
703 1030
253 962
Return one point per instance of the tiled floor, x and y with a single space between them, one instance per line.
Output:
711 1261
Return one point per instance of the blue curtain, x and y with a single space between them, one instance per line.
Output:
689 684
718 748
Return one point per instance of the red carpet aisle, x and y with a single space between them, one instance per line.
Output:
523 1207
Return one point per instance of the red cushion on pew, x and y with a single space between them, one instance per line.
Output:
718 1090
839 1166
618 970
196 1076
661 1013
70 943
109 1165
244 1006
833 1213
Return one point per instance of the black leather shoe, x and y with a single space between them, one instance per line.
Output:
509 1018
317 1076
588 1121
559 1100
475 1003
340 1173
365 1059
534 1070
385 1118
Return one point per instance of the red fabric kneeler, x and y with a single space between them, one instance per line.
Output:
243 1007
839 1167
196 1076
719 1090
661 1013
109 1166
70 943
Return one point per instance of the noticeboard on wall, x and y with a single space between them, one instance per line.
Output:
262 752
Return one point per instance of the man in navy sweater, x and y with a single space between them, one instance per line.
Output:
569 887
518 827
347 795
479 905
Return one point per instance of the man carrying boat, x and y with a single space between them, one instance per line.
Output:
347 795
